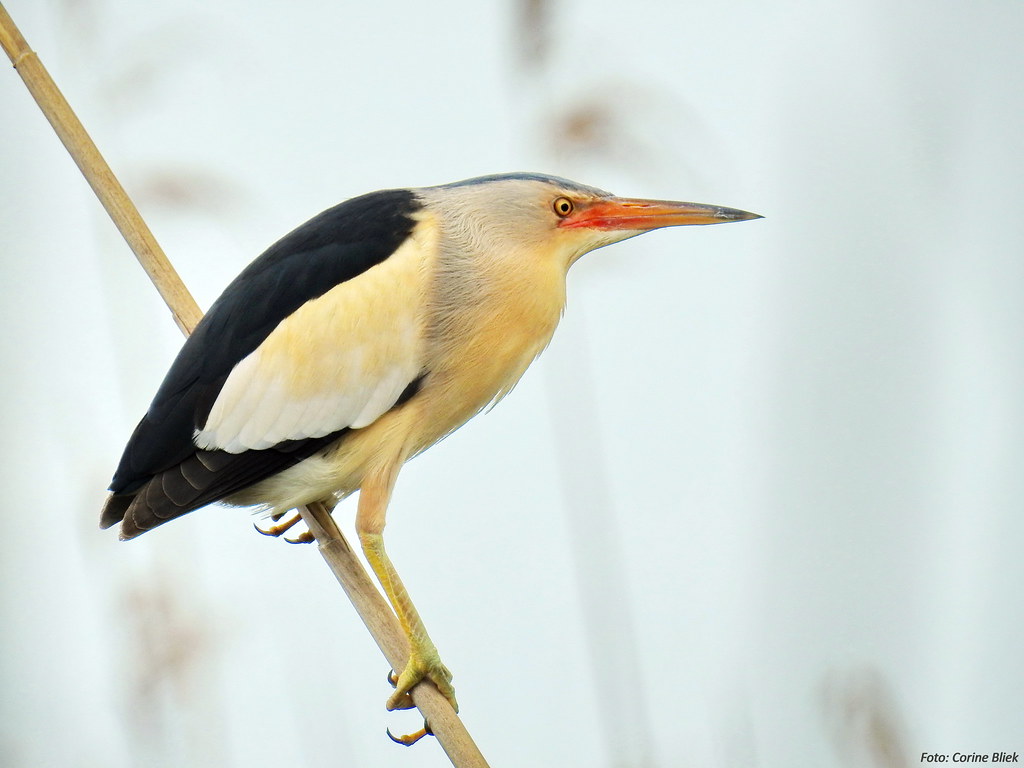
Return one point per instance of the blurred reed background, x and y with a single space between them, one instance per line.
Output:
758 505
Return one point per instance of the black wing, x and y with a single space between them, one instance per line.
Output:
334 246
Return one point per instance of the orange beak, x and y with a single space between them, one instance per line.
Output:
623 213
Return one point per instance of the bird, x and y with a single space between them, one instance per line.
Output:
359 340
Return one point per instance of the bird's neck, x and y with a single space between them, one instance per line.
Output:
493 314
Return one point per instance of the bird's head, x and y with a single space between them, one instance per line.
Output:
549 215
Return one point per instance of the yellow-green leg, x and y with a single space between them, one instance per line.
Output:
424 661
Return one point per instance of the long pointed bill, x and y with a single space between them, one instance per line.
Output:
623 213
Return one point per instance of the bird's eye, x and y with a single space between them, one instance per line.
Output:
563 207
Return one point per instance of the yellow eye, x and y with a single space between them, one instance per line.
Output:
563 207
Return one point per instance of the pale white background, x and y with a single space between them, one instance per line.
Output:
760 503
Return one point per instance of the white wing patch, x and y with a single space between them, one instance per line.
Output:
341 360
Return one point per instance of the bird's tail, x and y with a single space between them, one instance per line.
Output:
137 513
114 509
201 479
172 493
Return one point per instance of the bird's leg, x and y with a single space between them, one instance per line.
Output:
424 661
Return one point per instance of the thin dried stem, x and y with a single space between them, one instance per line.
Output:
96 171
376 614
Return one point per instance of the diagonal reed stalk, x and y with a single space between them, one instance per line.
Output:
376 614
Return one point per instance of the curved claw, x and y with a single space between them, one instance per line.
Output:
411 738
280 528
267 532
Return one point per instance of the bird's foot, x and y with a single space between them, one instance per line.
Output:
424 664
281 528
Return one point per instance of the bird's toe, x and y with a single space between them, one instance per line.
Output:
411 738
424 663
